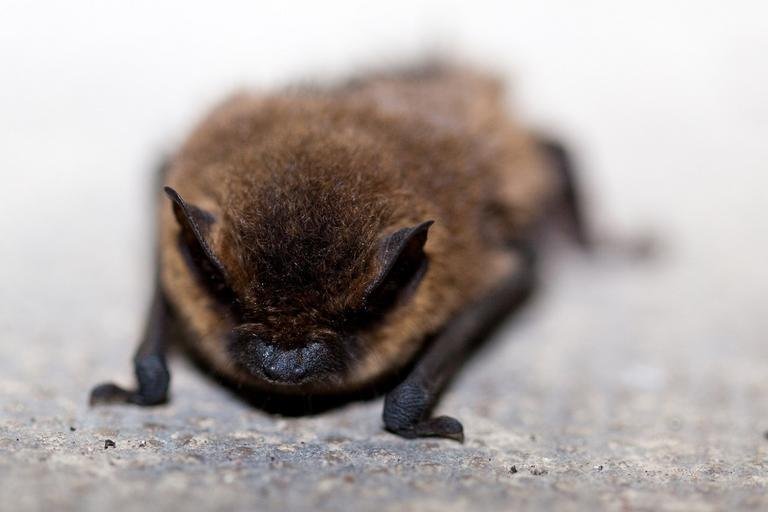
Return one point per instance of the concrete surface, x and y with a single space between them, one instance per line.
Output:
622 387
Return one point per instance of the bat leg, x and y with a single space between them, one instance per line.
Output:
408 406
571 198
639 247
149 363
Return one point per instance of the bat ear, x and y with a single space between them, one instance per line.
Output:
402 264
196 225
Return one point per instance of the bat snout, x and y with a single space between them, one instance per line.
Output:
291 366
287 363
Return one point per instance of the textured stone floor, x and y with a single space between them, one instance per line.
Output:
621 387
603 394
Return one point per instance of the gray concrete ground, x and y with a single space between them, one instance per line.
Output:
622 387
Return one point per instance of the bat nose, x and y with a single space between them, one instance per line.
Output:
285 367
291 366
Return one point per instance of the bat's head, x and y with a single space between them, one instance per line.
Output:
305 272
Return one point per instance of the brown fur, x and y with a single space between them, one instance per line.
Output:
303 187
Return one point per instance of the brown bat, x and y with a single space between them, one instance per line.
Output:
323 241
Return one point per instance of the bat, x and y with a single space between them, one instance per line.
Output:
321 241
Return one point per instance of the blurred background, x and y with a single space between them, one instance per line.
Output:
664 104
662 101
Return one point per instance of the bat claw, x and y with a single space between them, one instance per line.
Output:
109 393
442 426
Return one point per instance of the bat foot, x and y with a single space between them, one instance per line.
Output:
442 426
406 413
635 247
109 393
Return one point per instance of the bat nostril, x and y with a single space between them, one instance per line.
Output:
277 372
272 372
